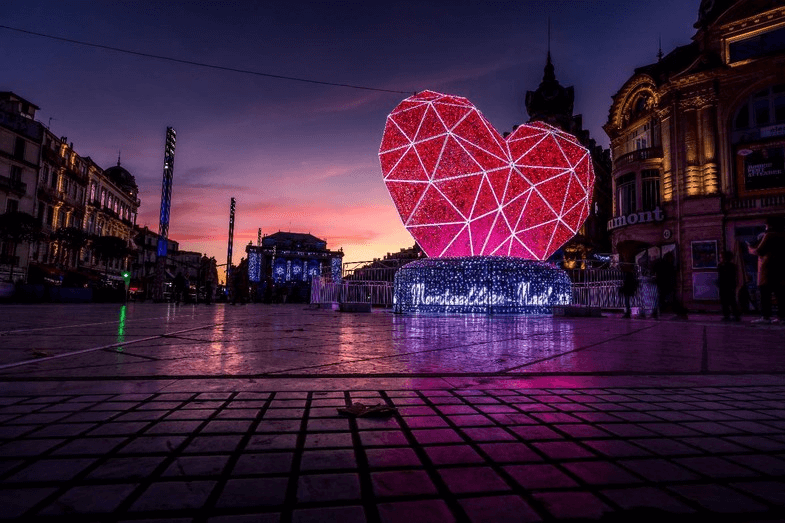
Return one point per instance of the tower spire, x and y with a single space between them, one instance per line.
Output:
659 51
118 157
549 39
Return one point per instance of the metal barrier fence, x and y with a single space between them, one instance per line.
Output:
601 288
324 291
597 287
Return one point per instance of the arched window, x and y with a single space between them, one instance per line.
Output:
756 115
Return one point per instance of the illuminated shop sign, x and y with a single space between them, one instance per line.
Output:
637 217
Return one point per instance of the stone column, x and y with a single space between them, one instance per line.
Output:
691 166
708 133
666 123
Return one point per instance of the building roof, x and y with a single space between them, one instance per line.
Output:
673 63
121 177
295 237
9 95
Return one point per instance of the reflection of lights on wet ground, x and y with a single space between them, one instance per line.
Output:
121 328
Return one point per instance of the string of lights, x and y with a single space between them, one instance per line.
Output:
201 64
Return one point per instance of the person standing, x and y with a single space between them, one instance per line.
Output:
179 287
727 284
629 287
771 269
665 274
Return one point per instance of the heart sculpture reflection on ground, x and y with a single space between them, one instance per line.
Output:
462 189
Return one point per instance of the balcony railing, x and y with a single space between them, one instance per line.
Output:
757 202
652 153
15 186
5 259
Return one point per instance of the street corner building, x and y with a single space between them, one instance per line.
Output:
698 141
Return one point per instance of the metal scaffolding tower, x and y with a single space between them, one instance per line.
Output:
229 249
163 225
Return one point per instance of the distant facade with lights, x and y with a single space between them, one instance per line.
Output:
698 142
289 258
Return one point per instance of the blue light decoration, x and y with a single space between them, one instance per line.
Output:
480 285
254 266
336 269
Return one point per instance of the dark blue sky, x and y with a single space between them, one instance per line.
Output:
299 156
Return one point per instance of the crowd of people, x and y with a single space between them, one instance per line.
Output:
770 251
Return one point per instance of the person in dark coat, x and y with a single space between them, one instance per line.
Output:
771 269
179 287
727 283
629 287
665 275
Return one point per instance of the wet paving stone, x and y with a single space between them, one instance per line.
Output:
517 446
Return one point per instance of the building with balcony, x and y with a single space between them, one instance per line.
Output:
200 271
698 141
20 151
72 198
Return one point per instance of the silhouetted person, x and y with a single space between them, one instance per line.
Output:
208 292
727 283
665 276
771 269
179 287
629 287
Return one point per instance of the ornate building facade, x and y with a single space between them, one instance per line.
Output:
72 198
288 260
698 140
20 144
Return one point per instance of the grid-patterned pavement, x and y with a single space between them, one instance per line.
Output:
222 414
446 455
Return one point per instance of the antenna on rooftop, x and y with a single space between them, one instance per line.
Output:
659 52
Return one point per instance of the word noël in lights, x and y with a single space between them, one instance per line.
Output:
481 296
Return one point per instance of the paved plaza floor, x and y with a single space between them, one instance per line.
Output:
156 412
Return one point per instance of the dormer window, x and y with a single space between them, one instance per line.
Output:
756 46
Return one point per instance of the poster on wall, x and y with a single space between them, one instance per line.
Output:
704 286
762 166
704 254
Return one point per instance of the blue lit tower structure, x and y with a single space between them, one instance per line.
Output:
229 247
166 204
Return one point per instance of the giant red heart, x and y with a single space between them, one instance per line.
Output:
462 189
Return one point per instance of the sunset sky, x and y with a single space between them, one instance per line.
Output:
297 156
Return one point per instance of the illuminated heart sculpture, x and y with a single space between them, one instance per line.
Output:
462 189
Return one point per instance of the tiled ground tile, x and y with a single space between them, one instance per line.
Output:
52 470
174 495
472 479
718 498
352 514
392 457
328 487
648 498
327 459
492 509
451 454
401 483
538 476
426 511
573 504
90 499
197 466
253 492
